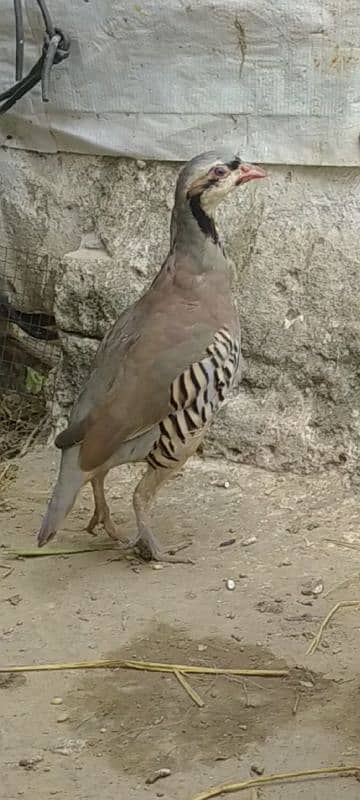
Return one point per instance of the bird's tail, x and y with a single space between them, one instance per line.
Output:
70 480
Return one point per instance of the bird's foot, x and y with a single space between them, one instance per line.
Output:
103 519
148 549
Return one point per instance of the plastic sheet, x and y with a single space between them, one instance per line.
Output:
164 79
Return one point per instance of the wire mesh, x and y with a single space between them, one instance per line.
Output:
29 343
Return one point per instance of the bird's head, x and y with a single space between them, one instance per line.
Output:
211 176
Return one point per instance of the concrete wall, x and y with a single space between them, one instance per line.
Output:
294 245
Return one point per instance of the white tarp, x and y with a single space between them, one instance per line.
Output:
277 79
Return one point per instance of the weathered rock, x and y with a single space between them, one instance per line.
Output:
294 246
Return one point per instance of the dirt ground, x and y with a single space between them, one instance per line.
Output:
119 727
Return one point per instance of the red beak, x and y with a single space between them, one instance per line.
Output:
249 172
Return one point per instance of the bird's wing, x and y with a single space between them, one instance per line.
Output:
129 389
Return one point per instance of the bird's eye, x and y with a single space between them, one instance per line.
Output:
220 172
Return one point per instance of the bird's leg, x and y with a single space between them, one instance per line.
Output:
101 515
143 496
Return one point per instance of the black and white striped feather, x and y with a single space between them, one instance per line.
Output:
195 395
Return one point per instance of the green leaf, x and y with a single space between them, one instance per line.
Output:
34 381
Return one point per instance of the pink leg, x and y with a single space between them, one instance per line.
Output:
101 515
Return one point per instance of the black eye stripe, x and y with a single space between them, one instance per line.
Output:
234 164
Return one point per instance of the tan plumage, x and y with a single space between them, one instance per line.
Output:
165 366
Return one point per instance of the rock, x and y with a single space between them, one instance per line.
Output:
247 542
30 763
63 717
160 773
14 600
312 588
68 747
256 769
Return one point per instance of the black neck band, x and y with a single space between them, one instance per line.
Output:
206 224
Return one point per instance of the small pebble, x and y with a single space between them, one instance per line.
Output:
63 717
231 615
312 588
248 542
15 599
102 730
140 163
227 542
56 701
30 763
157 566
285 563
230 584
69 747
160 773
318 589
202 648
243 727
256 769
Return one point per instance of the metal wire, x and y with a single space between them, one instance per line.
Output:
56 48
48 65
29 338
19 28
49 27
12 95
